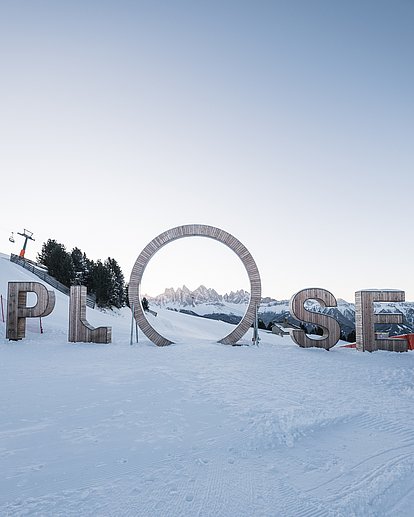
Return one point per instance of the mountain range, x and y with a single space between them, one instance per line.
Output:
184 297
230 307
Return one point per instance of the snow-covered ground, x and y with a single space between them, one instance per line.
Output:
198 428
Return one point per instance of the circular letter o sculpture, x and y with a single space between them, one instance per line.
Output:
194 230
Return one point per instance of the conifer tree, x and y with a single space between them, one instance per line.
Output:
101 284
82 268
79 266
126 295
145 304
105 280
117 289
58 262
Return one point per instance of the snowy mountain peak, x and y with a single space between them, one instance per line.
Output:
184 297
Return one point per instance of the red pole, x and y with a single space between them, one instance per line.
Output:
2 309
40 321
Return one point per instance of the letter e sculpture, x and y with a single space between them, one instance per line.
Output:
365 319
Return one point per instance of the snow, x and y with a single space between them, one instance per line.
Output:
199 428
237 309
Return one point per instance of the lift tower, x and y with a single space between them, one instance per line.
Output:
27 235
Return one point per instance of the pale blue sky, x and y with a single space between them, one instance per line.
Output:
288 124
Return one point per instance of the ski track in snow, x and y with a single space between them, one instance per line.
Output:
198 428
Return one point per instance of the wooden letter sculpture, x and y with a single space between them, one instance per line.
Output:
330 327
17 310
80 331
194 230
365 319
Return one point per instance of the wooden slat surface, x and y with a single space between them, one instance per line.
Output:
17 310
194 230
80 330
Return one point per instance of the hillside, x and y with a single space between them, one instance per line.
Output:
199 428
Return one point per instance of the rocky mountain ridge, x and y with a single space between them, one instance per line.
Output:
207 302
183 296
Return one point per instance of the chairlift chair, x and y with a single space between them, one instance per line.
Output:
11 238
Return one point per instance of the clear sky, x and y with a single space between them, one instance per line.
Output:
288 124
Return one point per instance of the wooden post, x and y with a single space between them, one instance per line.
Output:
132 324
256 337
2 309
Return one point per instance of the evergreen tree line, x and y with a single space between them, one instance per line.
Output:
102 279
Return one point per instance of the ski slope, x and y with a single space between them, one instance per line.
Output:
198 428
